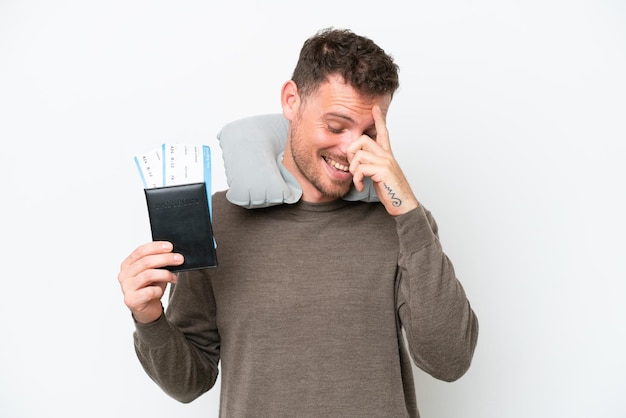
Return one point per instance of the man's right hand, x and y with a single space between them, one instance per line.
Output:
143 280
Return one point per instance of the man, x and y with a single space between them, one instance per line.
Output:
305 312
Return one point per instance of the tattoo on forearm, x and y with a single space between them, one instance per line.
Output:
395 201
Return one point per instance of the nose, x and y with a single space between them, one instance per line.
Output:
346 139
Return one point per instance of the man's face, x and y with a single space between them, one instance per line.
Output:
321 129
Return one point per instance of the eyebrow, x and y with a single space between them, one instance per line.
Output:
338 115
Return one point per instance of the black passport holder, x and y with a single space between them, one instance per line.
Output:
180 215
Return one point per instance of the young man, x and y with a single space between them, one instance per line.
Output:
305 312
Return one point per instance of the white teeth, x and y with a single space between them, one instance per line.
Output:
336 164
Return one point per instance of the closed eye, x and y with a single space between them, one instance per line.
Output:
334 130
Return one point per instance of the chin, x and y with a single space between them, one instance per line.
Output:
336 191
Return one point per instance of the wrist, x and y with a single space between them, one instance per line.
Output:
146 318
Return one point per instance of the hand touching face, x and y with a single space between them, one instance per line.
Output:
373 158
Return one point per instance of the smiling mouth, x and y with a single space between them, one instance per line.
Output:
337 165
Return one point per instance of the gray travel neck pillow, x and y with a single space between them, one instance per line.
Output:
252 149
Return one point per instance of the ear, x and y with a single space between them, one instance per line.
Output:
290 99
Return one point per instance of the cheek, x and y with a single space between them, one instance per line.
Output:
323 139
313 143
314 137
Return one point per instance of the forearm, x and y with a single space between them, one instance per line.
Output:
441 327
180 368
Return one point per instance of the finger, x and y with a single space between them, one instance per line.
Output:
382 134
366 164
140 298
152 266
144 266
368 170
357 180
352 149
363 145
150 277
151 255
141 289
154 247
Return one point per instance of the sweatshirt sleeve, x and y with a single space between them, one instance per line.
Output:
440 325
180 351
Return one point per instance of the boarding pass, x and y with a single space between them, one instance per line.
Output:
175 164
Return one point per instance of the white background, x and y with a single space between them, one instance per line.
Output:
510 123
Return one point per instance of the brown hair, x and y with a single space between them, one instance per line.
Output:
361 63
